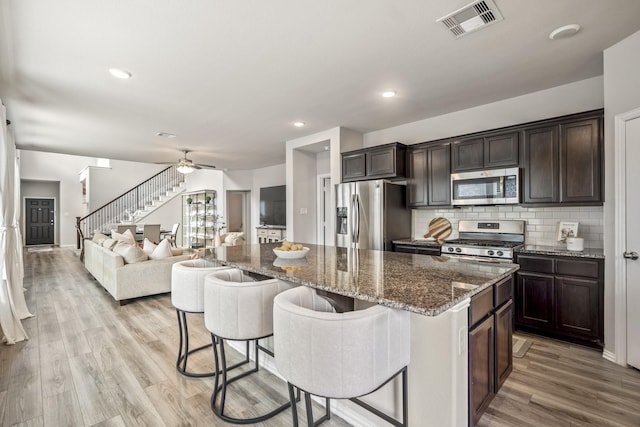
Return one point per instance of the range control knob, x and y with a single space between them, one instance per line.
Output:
500 253
490 252
458 250
450 249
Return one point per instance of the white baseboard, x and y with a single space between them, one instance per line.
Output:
609 355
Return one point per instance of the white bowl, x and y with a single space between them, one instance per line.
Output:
291 254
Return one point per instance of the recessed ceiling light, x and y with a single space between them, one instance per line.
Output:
165 135
299 124
388 94
564 31
120 73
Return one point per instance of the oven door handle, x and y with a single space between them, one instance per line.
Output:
479 259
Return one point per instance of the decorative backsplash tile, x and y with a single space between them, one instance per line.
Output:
541 222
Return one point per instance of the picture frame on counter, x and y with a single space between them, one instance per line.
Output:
566 229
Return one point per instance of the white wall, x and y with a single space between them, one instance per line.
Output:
567 99
621 94
253 180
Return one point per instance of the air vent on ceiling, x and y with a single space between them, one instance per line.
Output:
472 17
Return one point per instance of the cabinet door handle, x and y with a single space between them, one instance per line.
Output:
631 255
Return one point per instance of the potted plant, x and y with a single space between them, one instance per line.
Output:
207 199
189 200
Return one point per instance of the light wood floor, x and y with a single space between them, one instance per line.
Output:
92 362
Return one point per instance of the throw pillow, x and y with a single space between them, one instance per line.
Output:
130 253
148 246
127 236
99 238
231 237
109 243
162 251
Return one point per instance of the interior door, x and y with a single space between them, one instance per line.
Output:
633 241
39 221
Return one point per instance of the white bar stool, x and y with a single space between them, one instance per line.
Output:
339 355
238 308
187 296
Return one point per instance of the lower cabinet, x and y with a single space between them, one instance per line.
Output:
269 235
490 345
561 297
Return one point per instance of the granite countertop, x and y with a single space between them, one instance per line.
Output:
425 285
417 242
561 251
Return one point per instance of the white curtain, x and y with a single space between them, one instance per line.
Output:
13 307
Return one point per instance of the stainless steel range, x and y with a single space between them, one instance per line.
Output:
486 240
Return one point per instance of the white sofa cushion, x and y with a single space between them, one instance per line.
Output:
148 246
130 253
127 236
99 238
109 243
162 251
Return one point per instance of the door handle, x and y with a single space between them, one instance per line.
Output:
631 255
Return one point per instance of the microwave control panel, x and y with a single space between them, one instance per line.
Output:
511 186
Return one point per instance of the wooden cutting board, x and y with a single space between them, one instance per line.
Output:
439 229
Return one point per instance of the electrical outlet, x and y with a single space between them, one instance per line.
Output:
303 211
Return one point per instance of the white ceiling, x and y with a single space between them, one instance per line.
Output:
230 77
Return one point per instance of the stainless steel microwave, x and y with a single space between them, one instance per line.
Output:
486 187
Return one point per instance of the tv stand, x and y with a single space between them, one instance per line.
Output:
271 233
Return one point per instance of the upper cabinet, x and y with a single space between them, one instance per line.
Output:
485 152
562 161
429 175
384 161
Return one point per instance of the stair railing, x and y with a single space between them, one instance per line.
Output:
124 207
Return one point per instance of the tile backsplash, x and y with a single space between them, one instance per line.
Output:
541 222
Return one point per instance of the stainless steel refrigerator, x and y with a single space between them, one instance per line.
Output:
370 214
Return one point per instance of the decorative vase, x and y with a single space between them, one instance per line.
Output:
217 241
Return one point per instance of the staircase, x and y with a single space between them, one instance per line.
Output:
134 205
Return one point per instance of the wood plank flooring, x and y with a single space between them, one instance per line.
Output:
90 362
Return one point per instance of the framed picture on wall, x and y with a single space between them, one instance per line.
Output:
566 229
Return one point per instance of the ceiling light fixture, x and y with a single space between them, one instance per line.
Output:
185 168
165 135
120 73
299 124
389 94
564 31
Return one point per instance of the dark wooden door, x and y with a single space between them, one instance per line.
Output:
580 161
467 155
541 175
39 221
504 343
417 181
353 167
501 150
535 298
578 307
481 369
439 174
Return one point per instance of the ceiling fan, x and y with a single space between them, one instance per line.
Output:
185 165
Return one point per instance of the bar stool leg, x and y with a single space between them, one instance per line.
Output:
183 350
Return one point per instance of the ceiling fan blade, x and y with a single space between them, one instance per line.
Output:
206 166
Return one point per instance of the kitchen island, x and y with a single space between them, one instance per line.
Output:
436 290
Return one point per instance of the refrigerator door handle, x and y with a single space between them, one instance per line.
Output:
353 220
356 207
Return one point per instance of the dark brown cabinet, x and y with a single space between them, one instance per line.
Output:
490 345
562 162
384 161
429 175
491 151
561 297
481 368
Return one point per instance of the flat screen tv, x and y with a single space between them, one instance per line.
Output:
273 205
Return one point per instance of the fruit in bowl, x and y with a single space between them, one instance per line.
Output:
290 250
